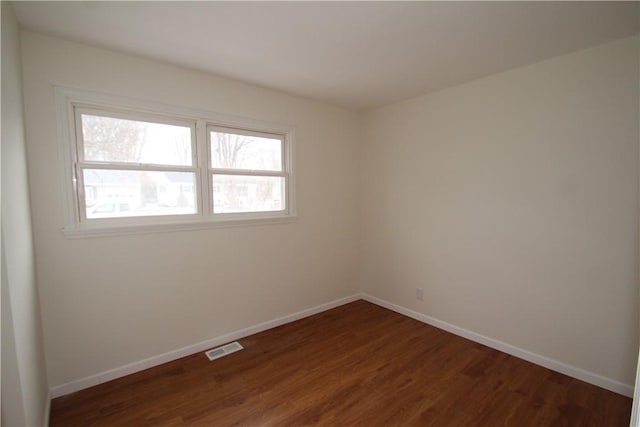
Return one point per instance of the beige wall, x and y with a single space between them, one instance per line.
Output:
110 301
513 201
25 390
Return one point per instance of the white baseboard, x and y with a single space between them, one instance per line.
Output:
47 411
150 362
554 365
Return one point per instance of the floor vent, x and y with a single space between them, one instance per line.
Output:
216 353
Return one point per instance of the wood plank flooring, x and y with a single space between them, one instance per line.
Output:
356 365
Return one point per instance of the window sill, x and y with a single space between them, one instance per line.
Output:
103 230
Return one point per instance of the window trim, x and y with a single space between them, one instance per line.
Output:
81 164
68 99
284 173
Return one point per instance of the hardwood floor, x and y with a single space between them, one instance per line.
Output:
356 365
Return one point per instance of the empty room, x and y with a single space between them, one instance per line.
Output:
320 213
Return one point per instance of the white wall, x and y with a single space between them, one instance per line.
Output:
25 392
513 201
110 301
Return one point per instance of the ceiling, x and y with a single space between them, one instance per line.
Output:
355 54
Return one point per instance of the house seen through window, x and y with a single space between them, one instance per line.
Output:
134 168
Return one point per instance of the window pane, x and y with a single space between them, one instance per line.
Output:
107 139
233 151
239 193
122 193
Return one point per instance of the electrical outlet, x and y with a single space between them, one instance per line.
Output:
419 294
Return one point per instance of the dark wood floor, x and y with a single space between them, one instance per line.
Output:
356 365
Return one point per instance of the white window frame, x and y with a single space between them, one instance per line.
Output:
81 163
71 102
248 172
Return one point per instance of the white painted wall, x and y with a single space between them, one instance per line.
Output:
513 201
110 301
25 391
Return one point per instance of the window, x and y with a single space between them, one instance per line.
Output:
247 171
127 158
158 168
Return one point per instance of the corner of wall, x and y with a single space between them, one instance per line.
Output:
23 362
